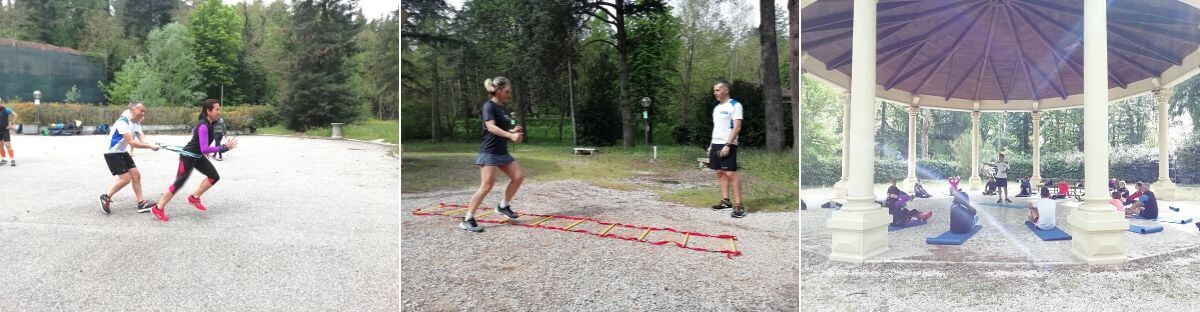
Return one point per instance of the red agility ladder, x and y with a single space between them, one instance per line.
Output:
455 211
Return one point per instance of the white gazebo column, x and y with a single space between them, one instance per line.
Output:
1099 232
911 180
1163 188
859 230
839 188
974 181
1035 181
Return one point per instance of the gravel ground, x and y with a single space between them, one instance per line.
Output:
294 224
520 269
1003 267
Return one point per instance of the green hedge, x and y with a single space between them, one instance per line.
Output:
236 117
1136 163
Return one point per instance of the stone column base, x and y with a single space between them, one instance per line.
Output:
858 235
1164 189
975 183
1098 237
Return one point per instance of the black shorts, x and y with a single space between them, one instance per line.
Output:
727 163
4 135
1001 182
119 163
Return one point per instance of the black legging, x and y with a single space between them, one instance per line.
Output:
186 164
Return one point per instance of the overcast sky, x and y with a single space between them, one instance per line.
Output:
372 9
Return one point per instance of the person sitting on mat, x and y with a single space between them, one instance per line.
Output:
1064 189
953 184
896 201
962 216
1041 212
1137 192
919 190
1026 189
1146 206
1116 201
990 189
1121 188
1112 184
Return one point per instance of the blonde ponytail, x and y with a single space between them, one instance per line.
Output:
495 84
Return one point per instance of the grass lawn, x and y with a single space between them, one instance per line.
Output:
374 129
769 179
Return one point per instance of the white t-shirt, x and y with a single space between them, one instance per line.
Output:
1002 170
116 142
723 116
1045 208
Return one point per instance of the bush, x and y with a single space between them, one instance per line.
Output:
236 117
1187 161
250 117
938 169
820 170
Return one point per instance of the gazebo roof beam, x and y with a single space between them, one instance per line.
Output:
844 58
901 75
1028 66
1141 50
987 52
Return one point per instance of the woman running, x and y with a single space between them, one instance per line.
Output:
201 143
493 153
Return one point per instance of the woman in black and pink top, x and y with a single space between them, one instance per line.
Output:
201 143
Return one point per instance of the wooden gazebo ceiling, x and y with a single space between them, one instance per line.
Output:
1002 51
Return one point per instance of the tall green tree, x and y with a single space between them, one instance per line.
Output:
654 52
58 22
217 29
104 38
615 14
12 21
320 43
166 75
139 17
381 49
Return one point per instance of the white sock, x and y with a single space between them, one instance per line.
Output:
503 203
470 214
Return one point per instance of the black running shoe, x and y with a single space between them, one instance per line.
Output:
144 206
738 211
724 204
105 201
506 211
470 226
3 162
12 163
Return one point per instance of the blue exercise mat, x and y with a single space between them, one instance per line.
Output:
1167 219
1145 229
1054 234
1002 205
949 238
893 228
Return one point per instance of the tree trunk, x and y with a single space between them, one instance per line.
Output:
794 56
622 50
434 105
571 94
772 110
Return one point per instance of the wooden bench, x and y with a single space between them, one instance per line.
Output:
588 151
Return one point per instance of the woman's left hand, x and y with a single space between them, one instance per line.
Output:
518 129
